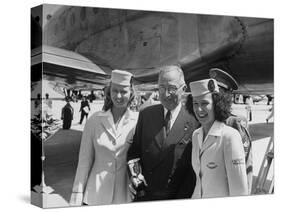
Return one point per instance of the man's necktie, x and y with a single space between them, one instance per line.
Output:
167 122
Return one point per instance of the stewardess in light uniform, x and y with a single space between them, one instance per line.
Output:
218 157
227 84
101 176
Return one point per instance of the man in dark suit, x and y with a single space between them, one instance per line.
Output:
67 114
84 109
159 157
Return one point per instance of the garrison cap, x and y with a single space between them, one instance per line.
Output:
224 79
121 77
202 87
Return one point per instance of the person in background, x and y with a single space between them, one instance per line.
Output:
271 113
47 113
37 101
48 101
218 157
159 158
269 99
67 114
134 105
148 100
101 175
249 104
84 109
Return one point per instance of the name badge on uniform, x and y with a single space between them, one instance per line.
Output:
212 165
238 161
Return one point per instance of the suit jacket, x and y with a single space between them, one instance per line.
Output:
102 168
165 162
219 163
67 112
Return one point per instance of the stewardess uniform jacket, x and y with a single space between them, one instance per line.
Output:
102 168
166 162
219 162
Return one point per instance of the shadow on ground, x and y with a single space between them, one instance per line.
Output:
62 151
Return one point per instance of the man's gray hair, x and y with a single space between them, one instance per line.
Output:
176 68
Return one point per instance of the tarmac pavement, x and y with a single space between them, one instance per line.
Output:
62 148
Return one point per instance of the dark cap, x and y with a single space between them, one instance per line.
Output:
224 79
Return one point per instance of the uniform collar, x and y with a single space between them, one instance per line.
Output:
216 129
128 114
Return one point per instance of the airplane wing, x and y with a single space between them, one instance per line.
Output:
68 68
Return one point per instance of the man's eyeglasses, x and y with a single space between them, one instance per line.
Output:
170 89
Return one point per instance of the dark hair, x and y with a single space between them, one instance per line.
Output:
108 104
189 105
225 90
222 102
222 105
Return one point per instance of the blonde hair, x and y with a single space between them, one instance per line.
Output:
108 104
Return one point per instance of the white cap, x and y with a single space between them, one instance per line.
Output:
121 77
203 87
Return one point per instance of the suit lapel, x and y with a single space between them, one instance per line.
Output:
177 132
176 135
160 136
181 131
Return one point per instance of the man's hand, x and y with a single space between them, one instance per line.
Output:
137 179
136 182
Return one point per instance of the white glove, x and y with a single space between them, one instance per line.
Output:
76 199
